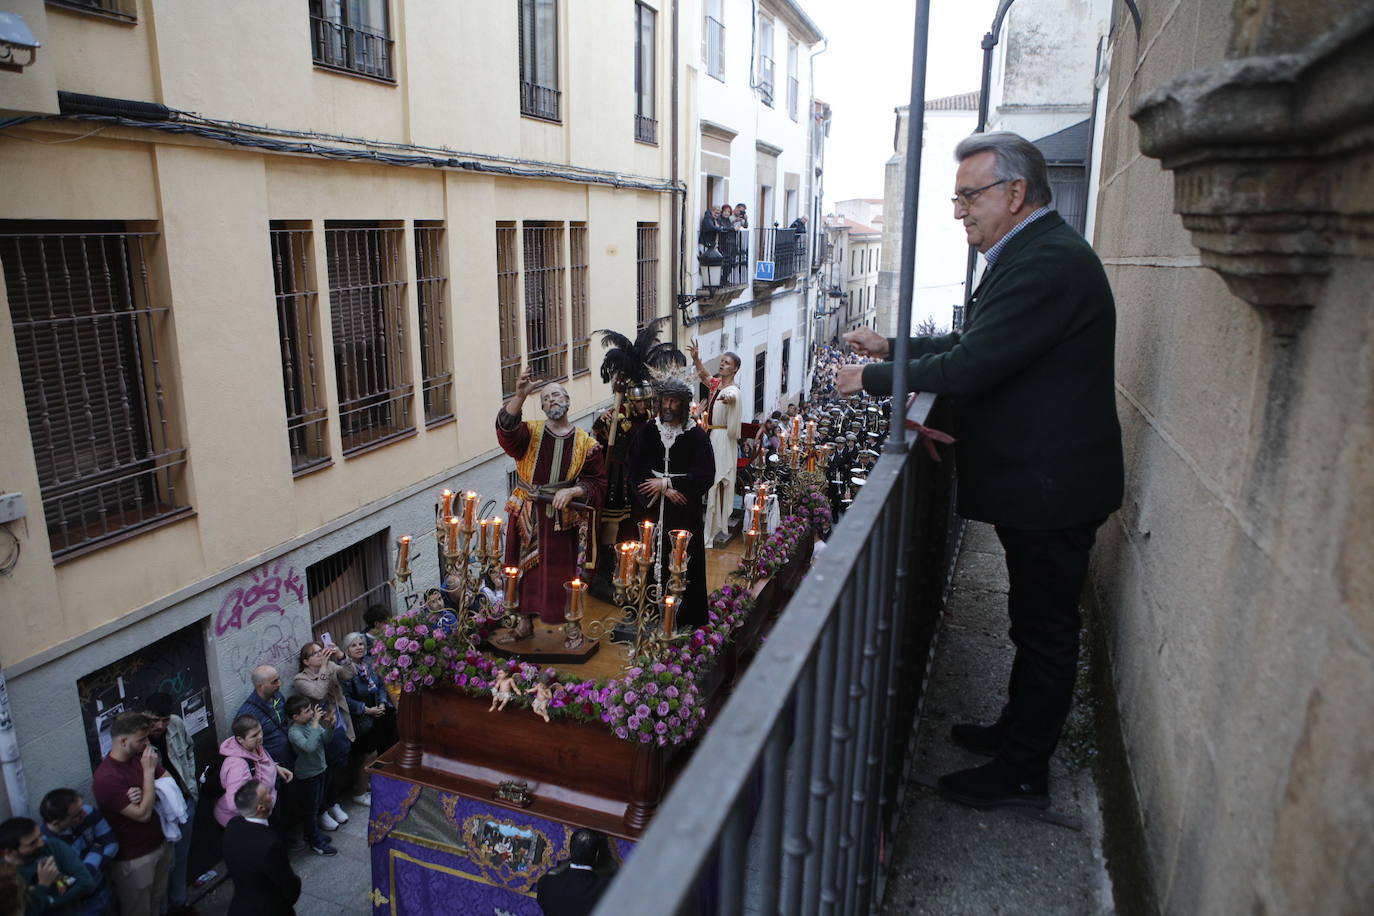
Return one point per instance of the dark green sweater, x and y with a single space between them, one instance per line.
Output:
1031 379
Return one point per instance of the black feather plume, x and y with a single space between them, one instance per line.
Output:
635 360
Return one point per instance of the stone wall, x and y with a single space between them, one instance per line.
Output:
1235 223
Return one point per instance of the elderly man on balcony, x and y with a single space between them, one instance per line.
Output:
1039 444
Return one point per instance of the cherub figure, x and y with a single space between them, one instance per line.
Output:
541 696
503 688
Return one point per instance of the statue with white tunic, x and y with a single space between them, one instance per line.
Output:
723 412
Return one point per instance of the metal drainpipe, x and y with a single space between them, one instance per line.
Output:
678 221
989 42
16 789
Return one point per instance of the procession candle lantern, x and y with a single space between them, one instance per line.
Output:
810 433
647 539
469 510
669 615
680 539
482 526
453 523
446 504
796 427
403 557
629 550
512 585
750 538
497 545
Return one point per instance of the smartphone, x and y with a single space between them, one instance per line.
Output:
327 640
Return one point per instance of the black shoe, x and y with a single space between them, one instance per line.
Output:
981 739
996 785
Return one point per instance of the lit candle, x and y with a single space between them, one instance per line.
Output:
810 433
579 589
648 538
403 557
512 584
680 539
628 551
669 615
446 504
453 523
763 493
750 537
811 461
482 526
754 509
498 546
469 510
796 427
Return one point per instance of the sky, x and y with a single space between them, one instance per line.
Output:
866 72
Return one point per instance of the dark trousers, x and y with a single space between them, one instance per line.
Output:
312 801
1046 570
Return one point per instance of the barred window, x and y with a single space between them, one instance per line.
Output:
581 334
765 79
89 334
367 301
646 127
538 35
713 40
760 379
352 35
342 586
121 10
431 286
545 337
646 260
293 275
508 304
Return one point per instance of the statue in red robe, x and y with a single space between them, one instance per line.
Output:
560 480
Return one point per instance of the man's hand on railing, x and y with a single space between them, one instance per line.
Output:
850 379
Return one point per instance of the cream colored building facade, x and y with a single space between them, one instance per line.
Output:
360 231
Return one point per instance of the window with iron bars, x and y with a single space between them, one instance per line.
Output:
122 10
367 302
793 84
646 263
90 334
713 39
431 286
293 276
646 128
342 586
546 341
760 377
577 282
508 304
538 35
353 36
765 82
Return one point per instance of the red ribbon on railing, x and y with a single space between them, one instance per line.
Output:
929 437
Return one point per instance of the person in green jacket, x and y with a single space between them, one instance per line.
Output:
1031 381
308 738
58 881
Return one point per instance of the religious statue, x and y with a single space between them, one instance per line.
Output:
629 366
539 699
723 412
560 480
671 470
503 689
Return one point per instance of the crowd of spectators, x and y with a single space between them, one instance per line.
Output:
829 359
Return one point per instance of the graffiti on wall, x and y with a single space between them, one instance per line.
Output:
273 644
261 596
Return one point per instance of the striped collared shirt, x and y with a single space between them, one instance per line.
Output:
992 254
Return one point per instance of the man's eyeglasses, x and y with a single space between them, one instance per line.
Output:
965 198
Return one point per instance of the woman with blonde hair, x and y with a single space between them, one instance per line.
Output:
321 679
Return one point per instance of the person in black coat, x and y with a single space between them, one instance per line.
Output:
1031 378
675 446
264 884
572 887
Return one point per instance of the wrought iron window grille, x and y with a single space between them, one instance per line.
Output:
293 275
646 269
343 36
431 288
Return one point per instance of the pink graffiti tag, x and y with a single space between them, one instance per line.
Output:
262 597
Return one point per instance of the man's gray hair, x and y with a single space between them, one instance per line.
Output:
246 798
1016 157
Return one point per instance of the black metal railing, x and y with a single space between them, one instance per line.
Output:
539 101
646 129
787 802
123 10
793 95
715 48
724 259
350 48
785 249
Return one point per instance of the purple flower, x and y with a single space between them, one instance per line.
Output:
622 733
403 661
644 738
631 696
633 723
651 689
671 692
663 708
422 629
429 679
642 711
660 728
461 680
659 668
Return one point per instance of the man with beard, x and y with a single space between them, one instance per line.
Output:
57 880
555 464
671 469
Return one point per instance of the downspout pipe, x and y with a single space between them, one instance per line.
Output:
915 141
16 788
989 42
678 217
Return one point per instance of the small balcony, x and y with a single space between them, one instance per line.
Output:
351 49
540 102
723 259
646 129
781 256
